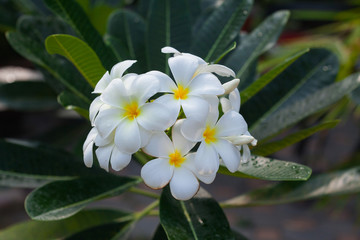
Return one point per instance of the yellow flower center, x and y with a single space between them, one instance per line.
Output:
181 92
176 159
131 111
209 135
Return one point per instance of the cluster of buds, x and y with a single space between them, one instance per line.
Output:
126 117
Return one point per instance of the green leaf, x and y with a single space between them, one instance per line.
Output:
253 45
168 25
160 234
62 199
79 53
220 29
126 29
355 96
39 230
327 184
232 47
316 101
304 77
198 218
269 148
30 166
28 41
265 79
271 170
72 102
28 96
72 13
106 231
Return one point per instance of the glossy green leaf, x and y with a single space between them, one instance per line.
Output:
168 25
28 41
327 184
72 102
316 101
265 79
198 218
231 48
257 42
39 230
30 166
106 231
72 13
220 29
160 234
272 147
79 53
271 170
28 96
126 29
62 199
301 79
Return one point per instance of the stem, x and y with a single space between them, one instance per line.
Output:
146 211
141 157
144 192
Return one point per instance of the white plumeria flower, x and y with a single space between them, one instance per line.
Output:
217 138
173 164
233 104
88 147
130 115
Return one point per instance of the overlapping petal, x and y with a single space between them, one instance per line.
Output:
183 184
107 120
157 173
195 107
229 154
166 84
127 136
206 84
180 142
159 146
103 155
115 94
155 117
183 69
118 69
206 159
231 123
119 160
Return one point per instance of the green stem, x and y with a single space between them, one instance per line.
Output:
146 211
141 157
144 192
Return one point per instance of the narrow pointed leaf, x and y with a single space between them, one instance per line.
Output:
79 53
28 96
265 79
169 24
71 12
198 218
62 199
257 42
220 29
39 230
327 184
271 170
272 147
306 106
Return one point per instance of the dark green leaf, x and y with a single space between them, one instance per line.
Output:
270 169
106 231
168 25
38 230
198 218
160 233
316 101
28 96
232 47
72 13
72 102
128 28
355 95
253 45
220 29
79 53
335 183
61 199
29 166
269 148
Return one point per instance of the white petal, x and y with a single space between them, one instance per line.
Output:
240 140
225 104
143 87
157 173
128 80
172 104
195 107
180 142
206 159
231 85
100 141
119 160
94 108
118 69
183 68
103 155
90 138
103 83
206 84
229 154
145 136
219 69
231 124
246 155
159 145
166 83
190 164
107 120
88 155
213 114
115 94
183 185
127 136
193 130
155 117
169 50
235 100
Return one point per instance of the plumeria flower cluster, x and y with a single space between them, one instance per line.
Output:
127 117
